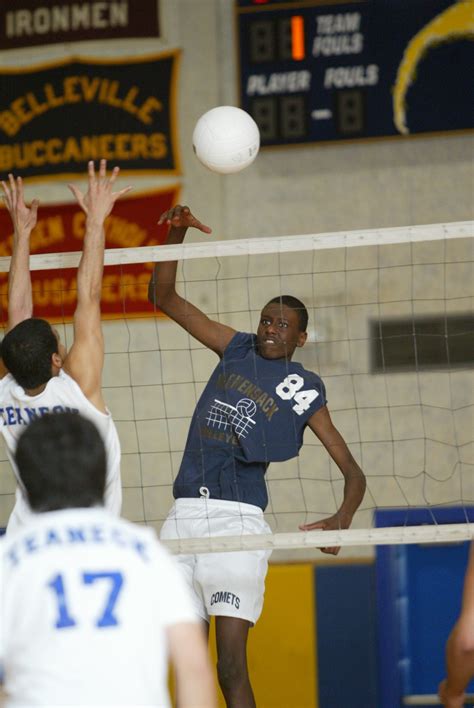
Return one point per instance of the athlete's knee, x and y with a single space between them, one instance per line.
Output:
231 671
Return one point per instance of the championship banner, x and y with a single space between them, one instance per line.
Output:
54 118
25 23
61 227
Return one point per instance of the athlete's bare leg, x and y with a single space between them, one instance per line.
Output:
232 670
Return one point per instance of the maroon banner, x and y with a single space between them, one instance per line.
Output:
24 23
60 228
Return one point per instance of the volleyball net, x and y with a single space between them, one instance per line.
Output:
391 333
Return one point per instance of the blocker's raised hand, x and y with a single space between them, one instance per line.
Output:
99 199
180 217
23 217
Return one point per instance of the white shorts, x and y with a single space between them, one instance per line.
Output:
230 584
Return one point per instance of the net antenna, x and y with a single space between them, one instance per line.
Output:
391 325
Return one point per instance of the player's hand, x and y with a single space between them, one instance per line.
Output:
99 199
332 523
180 217
447 699
24 218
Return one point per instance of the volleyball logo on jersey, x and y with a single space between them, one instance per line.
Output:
239 418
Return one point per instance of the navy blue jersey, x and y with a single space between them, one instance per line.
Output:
253 411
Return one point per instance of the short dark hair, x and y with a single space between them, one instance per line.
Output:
61 460
27 350
295 304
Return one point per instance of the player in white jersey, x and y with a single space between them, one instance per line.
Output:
91 606
39 376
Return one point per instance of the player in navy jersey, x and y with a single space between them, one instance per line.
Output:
252 412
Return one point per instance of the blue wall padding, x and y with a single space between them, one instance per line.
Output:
346 636
419 589
389 629
435 580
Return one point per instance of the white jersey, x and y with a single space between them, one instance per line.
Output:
85 603
61 393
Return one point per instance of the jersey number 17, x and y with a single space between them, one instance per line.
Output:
106 617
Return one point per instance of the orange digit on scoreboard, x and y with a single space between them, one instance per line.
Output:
297 38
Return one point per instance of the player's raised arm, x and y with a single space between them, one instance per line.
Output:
354 479
162 292
86 356
20 300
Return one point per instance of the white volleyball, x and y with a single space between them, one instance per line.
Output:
226 139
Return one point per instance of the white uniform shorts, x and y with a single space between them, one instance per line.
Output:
230 584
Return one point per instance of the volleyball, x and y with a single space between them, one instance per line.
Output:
246 407
226 139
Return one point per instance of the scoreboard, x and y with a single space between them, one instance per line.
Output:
312 71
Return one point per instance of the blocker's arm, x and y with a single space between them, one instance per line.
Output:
20 298
85 359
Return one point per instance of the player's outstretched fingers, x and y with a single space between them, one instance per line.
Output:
163 218
91 170
168 215
78 195
91 177
179 212
12 183
121 192
34 208
202 227
114 175
175 212
6 194
20 192
331 550
103 168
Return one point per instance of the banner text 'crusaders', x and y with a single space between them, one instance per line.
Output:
61 228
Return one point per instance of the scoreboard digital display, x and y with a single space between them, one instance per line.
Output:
332 70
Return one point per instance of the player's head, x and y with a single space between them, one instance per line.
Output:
32 352
282 327
61 460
